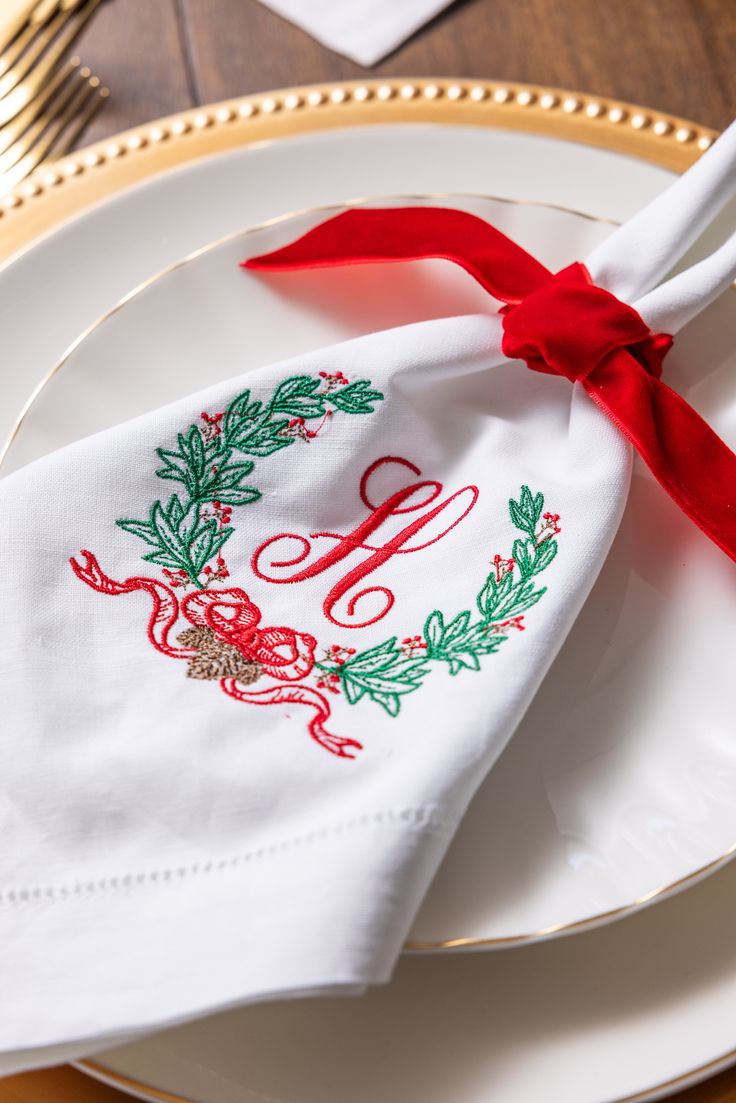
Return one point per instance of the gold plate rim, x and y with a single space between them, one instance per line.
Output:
58 191
99 1071
462 942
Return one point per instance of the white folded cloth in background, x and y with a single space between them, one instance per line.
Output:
364 30
260 648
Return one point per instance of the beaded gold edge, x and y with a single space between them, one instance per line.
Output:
65 187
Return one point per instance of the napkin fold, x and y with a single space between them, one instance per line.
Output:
171 848
260 648
363 30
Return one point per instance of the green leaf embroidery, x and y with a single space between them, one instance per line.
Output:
520 518
459 644
184 536
356 398
232 474
240 496
522 557
240 414
200 549
297 386
434 628
175 510
197 450
175 466
166 532
545 554
142 529
264 440
493 595
383 673
164 559
296 397
387 672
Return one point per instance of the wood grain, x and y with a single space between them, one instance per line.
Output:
61 1085
161 56
136 49
679 56
676 55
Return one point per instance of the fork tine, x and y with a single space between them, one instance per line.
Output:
80 102
37 18
38 44
69 140
19 125
25 91
14 24
68 90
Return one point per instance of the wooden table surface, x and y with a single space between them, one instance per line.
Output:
162 56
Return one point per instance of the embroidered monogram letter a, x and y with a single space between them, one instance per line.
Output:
418 498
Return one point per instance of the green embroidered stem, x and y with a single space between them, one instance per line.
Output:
389 671
187 532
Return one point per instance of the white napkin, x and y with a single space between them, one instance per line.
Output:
364 30
175 843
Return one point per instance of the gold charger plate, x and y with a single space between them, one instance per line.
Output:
62 189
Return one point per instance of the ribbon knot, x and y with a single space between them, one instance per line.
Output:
560 324
569 325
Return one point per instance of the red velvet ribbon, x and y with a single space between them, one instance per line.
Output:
561 324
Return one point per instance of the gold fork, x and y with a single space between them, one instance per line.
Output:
45 104
74 101
34 48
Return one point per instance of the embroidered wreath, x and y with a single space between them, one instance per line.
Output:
220 633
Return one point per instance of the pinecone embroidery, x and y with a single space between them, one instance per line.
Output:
217 659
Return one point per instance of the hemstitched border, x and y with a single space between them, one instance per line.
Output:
424 818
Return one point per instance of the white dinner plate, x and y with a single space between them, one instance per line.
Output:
618 785
52 291
626 1013
667 977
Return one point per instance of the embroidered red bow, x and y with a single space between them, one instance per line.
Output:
282 652
561 324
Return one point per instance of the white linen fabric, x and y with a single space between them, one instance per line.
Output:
175 845
363 30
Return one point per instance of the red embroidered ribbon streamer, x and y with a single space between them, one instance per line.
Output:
557 323
165 614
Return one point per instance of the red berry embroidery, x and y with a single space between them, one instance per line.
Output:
220 630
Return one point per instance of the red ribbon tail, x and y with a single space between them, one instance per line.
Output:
338 745
164 614
694 466
364 236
